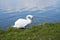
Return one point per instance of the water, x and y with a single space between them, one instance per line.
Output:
49 15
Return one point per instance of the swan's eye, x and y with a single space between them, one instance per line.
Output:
29 17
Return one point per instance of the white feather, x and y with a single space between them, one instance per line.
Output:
21 23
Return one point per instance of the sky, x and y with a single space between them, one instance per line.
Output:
16 5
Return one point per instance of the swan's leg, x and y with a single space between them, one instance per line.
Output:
22 28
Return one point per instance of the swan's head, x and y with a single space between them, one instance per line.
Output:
29 16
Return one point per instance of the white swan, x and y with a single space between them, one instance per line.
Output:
21 23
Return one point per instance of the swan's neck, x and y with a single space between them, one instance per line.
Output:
28 19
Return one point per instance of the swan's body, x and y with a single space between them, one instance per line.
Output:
21 23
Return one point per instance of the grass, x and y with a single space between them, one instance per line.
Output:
46 31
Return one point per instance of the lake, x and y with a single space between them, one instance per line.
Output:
39 16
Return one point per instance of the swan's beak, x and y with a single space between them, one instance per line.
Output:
32 18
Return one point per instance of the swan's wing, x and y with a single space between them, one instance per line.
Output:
21 23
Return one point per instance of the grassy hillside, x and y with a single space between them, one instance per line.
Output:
47 31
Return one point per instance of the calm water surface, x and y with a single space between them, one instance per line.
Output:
8 19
